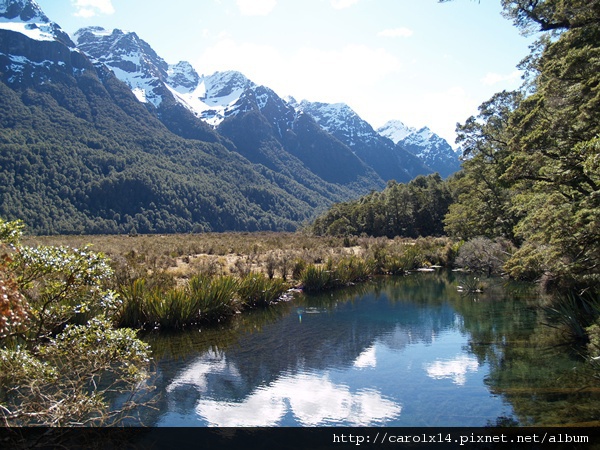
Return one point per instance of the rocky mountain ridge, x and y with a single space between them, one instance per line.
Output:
280 161
223 95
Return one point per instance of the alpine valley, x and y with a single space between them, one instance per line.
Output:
99 134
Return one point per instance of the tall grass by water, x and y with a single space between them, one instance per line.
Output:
173 281
203 299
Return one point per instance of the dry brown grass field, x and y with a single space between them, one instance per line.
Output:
273 253
215 253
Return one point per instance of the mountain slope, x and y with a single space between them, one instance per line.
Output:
79 153
389 161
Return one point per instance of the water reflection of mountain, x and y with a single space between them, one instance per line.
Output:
305 362
320 333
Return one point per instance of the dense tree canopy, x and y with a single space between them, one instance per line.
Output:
531 163
413 209
531 172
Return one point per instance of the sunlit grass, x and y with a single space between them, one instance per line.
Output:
173 281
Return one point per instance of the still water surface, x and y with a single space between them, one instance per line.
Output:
402 351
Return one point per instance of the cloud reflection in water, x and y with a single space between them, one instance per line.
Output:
455 369
314 399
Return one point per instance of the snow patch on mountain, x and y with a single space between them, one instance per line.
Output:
339 119
210 98
22 10
395 130
432 149
182 77
26 17
130 58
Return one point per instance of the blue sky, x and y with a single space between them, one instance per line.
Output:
417 61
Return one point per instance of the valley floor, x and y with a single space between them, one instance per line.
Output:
181 255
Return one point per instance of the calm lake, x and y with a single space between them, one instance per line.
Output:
397 351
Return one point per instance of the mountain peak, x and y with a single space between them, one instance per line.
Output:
130 58
335 117
183 77
26 17
22 10
226 83
425 144
395 130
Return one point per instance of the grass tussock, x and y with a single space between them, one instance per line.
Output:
203 299
574 314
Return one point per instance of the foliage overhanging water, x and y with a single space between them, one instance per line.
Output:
398 351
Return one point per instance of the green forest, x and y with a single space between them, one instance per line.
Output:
82 155
531 161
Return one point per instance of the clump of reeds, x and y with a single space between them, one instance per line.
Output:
257 290
332 275
214 297
316 278
471 285
202 299
574 313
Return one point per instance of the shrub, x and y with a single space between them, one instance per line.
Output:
574 314
484 255
315 278
214 298
54 371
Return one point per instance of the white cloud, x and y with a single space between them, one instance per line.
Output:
396 32
368 358
91 8
256 7
341 4
495 78
313 399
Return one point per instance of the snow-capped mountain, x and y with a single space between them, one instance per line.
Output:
395 130
211 98
34 49
391 162
27 18
166 89
130 58
97 159
340 120
270 131
430 148
180 94
254 119
111 96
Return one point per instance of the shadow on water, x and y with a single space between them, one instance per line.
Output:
396 351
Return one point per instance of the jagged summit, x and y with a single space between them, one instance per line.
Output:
228 84
26 17
183 77
425 144
152 79
22 10
395 130
337 117
131 59
223 95
345 124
